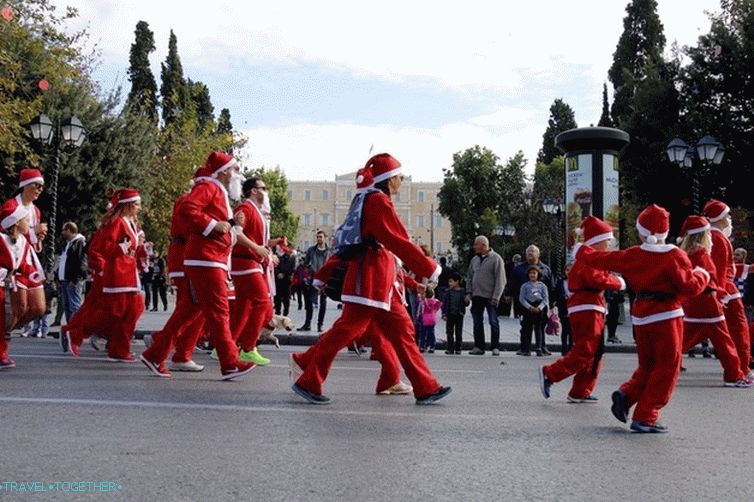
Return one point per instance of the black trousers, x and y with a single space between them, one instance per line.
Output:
282 296
159 288
533 321
309 296
454 331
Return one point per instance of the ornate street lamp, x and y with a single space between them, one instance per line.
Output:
65 135
707 149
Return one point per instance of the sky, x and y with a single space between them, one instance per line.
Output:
316 85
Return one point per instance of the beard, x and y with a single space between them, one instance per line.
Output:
266 207
235 187
728 231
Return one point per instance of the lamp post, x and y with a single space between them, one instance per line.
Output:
708 150
62 135
556 207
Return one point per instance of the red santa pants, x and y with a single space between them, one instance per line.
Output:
211 288
253 309
117 318
181 328
725 350
587 334
81 325
397 328
3 341
382 350
659 349
738 327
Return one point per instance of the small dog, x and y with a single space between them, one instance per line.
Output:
278 321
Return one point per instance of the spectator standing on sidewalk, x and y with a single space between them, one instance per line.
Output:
72 269
453 309
485 281
159 281
316 256
504 308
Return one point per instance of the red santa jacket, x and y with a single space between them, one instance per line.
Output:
17 259
372 277
95 258
204 206
742 271
651 270
35 218
256 227
586 286
118 244
704 307
179 232
722 257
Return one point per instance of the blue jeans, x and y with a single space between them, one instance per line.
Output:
427 337
478 306
70 295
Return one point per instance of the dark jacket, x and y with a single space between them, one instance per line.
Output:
74 256
520 276
454 302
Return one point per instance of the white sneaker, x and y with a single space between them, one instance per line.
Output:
97 343
294 370
187 366
147 340
398 389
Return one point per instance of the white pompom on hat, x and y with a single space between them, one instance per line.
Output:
653 224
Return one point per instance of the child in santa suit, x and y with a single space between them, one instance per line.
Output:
662 277
718 214
30 293
16 261
371 292
586 312
703 314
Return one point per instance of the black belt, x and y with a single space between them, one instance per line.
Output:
657 296
178 240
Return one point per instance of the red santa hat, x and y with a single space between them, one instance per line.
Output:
124 196
12 213
595 230
29 176
694 225
364 179
653 223
202 172
383 166
217 162
715 210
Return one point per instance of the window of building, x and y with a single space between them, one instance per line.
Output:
420 196
307 219
349 195
325 195
438 221
325 219
307 195
290 194
420 221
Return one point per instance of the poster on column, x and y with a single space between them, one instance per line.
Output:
611 195
578 195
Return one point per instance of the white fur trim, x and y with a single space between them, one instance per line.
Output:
645 232
38 179
599 238
382 177
586 307
205 263
704 320
622 283
698 230
17 215
576 248
732 296
660 316
365 301
703 271
436 274
124 289
211 226
225 167
173 275
247 271
721 215
657 248
130 199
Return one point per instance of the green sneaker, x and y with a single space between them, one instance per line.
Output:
253 356
214 355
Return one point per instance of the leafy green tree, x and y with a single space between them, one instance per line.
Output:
605 119
561 119
143 94
284 222
205 112
176 97
470 191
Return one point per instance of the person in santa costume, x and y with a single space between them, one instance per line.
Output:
185 325
31 299
703 314
742 280
389 382
718 214
206 257
252 270
586 312
371 292
15 263
662 277
120 303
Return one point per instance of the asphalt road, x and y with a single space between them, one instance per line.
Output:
193 437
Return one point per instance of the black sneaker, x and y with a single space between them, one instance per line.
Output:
655 428
620 406
305 327
435 396
544 382
311 398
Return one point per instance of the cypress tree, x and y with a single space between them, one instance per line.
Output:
605 120
143 94
205 112
174 89
561 119
224 125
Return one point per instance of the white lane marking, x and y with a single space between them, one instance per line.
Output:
304 408
104 359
